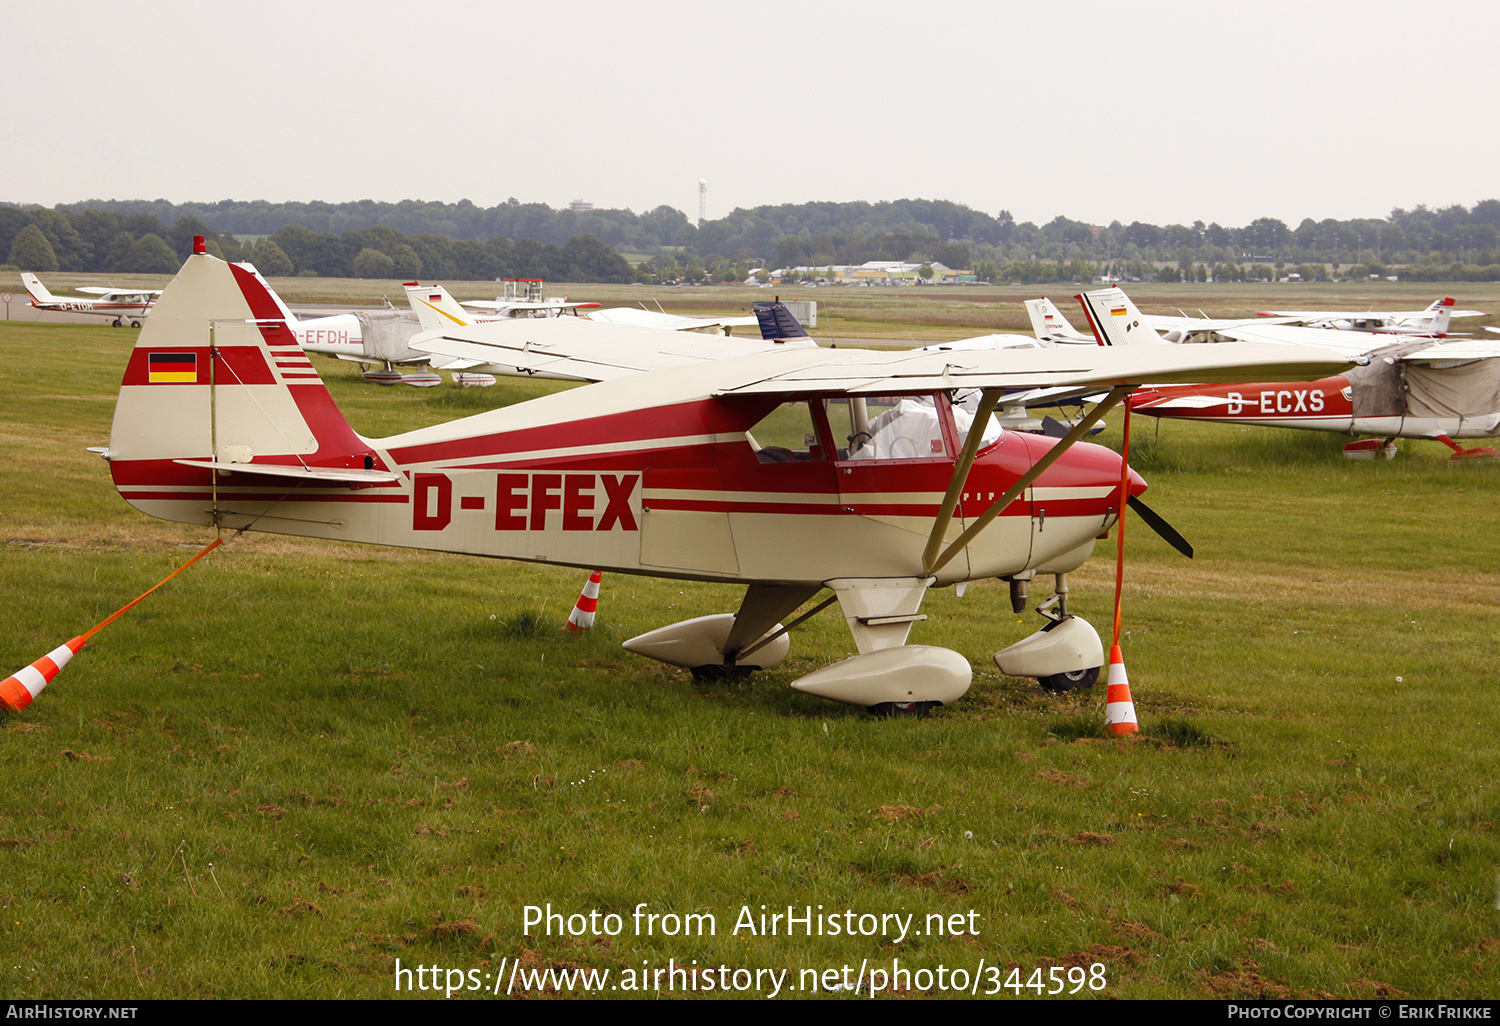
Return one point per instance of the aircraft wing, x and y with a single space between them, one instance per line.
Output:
501 304
988 343
1164 323
857 372
1461 351
100 290
1351 343
671 322
1307 316
587 350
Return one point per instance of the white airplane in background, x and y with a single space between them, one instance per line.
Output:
383 337
523 298
1431 321
1049 325
121 305
437 309
334 334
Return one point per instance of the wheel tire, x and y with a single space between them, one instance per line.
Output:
712 672
903 710
115 323
135 324
1070 680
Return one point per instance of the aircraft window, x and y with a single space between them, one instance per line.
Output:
965 405
887 428
787 434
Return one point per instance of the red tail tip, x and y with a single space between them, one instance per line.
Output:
198 244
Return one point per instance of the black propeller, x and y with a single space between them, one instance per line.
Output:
1156 523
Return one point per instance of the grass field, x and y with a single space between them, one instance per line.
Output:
301 764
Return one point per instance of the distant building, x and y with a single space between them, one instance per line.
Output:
579 206
878 272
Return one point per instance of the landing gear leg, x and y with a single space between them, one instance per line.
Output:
1065 655
1482 452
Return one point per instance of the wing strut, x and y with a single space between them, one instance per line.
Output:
930 566
988 400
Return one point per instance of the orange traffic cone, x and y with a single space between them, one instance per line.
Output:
582 616
17 691
1119 710
22 686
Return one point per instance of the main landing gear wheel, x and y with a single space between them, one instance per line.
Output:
135 324
711 672
115 323
1072 680
903 710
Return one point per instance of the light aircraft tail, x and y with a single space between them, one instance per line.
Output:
1049 325
777 322
435 308
36 290
286 312
219 402
1441 312
1115 320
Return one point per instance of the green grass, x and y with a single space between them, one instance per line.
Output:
301 762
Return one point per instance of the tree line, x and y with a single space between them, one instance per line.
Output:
512 239
42 240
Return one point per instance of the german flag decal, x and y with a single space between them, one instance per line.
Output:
169 367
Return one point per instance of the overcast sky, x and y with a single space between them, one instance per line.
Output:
1149 110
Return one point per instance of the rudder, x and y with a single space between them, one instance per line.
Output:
217 378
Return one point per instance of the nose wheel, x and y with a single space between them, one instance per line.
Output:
1065 655
1070 680
902 710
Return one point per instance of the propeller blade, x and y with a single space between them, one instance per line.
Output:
1156 523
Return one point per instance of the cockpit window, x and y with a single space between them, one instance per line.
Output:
787 434
965 406
887 428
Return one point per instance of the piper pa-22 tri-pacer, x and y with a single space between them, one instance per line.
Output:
786 471
120 305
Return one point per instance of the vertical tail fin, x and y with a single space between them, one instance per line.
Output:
36 290
1049 325
1442 315
777 322
1115 320
435 308
217 380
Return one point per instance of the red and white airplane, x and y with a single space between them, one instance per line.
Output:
1407 387
787 471
1432 321
121 305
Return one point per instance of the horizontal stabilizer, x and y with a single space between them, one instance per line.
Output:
339 475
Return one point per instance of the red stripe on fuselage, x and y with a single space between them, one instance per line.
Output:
698 417
269 495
